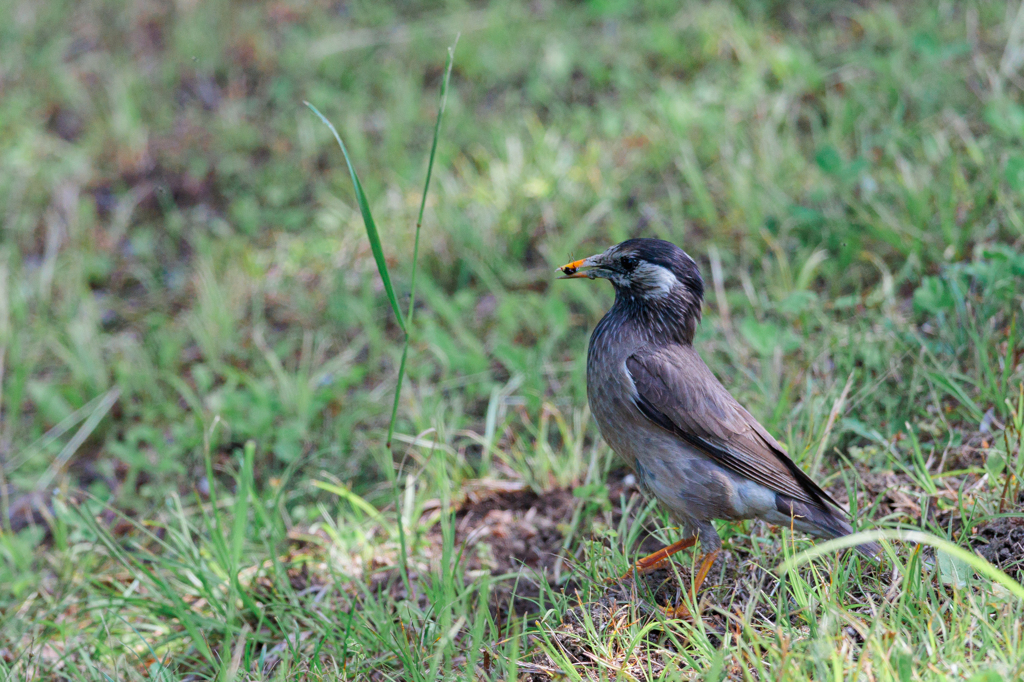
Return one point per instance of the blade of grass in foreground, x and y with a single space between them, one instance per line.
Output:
371 226
378 253
416 244
374 236
976 562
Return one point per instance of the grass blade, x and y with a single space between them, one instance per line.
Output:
83 433
378 254
419 225
371 226
374 236
241 510
975 561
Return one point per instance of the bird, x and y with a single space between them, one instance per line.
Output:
689 442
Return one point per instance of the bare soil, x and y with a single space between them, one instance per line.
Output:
1001 542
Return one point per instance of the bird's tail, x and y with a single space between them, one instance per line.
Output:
824 522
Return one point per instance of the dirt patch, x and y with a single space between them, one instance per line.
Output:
508 529
1001 542
886 494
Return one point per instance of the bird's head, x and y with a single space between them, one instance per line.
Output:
655 281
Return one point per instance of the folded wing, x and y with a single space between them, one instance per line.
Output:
677 391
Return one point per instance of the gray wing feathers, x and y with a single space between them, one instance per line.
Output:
677 391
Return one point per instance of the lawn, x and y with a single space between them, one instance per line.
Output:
198 357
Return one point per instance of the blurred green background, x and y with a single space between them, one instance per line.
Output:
182 267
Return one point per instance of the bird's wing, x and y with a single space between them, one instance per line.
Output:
677 391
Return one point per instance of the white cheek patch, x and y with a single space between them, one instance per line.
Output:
654 280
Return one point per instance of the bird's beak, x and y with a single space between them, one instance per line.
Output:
581 268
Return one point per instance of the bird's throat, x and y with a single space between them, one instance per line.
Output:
669 319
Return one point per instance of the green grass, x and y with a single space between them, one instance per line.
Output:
198 357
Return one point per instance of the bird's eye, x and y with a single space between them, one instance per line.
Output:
629 263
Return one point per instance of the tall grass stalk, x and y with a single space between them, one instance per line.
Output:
378 254
416 243
373 235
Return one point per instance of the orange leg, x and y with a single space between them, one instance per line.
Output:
682 611
658 559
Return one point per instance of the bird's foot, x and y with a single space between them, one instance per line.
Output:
682 611
658 559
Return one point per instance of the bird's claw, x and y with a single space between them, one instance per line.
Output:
681 612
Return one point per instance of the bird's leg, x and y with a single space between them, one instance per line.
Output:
702 572
656 560
682 611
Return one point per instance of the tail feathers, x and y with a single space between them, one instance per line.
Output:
821 522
